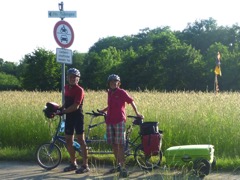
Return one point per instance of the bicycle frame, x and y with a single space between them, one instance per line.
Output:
93 141
59 138
49 154
129 145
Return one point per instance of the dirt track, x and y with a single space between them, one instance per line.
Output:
30 170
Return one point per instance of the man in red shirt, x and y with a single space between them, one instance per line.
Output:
74 95
116 119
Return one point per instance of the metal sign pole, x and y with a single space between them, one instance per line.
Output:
60 5
63 81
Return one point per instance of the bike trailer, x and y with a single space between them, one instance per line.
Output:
199 157
180 155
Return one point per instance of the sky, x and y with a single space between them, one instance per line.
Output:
26 25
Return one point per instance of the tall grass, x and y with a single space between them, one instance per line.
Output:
184 117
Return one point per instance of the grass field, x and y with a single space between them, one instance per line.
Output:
185 118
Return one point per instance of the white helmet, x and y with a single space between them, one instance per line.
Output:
74 71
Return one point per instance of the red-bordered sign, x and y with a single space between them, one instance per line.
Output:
63 34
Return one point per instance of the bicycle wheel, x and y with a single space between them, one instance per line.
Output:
147 162
48 156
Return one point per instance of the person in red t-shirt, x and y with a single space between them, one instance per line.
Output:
74 95
116 119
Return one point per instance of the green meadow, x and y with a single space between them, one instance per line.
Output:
185 118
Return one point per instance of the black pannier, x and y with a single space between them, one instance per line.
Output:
149 128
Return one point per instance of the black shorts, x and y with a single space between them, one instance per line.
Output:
74 121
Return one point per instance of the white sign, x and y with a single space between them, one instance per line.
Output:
64 56
62 14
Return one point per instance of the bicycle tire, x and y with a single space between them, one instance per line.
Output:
49 156
147 162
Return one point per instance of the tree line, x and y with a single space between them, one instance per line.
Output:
153 59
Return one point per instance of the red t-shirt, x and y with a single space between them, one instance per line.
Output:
73 94
116 106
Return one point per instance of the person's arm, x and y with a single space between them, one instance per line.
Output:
135 109
71 108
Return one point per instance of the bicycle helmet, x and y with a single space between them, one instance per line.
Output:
74 71
50 109
113 77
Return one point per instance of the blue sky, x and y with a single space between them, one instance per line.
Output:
26 26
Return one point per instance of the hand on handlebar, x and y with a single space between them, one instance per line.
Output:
59 112
141 116
101 112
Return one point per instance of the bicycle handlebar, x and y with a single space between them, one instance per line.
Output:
135 117
136 120
99 113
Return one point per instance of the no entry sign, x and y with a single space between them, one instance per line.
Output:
63 34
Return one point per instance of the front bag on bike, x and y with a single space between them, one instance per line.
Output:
50 109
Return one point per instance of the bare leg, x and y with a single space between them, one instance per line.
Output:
70 148
81 140
118 150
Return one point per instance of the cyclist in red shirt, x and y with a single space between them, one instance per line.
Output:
116 119
74 95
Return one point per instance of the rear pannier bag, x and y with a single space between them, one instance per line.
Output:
149 128
152 144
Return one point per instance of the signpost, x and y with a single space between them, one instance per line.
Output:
64 36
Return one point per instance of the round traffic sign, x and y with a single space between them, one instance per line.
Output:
63 34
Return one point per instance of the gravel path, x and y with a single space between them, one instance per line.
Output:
31 170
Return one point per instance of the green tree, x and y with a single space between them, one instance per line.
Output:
8 67
100 65
42 72
164 63
113 41
78 61
1 63
9 82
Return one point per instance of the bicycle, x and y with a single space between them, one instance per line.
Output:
49 154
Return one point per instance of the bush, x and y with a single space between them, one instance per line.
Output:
9 82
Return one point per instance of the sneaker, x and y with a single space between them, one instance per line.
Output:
115 169
82 169
123 173
71 167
